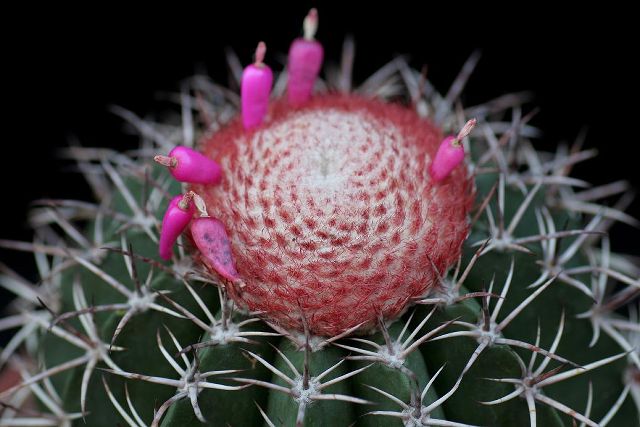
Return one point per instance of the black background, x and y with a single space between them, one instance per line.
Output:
66 66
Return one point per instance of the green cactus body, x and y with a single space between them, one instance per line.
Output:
531 325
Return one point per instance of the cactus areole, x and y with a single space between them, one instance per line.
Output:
332 213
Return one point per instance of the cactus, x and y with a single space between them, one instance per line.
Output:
391 285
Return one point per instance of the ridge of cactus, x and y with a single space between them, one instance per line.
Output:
318 253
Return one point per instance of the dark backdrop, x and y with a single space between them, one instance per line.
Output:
65 67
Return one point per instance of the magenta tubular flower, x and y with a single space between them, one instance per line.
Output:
175 220
450 154
211 239
188 165
257 79
305 60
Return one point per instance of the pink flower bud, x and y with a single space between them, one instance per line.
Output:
255 89
212 241
305 61
450 154
187 165
176 219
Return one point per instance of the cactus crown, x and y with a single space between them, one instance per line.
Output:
331 211
519 314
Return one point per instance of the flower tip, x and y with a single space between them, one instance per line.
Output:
466 129
310 24
201 206
185 201
261 51
167 161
